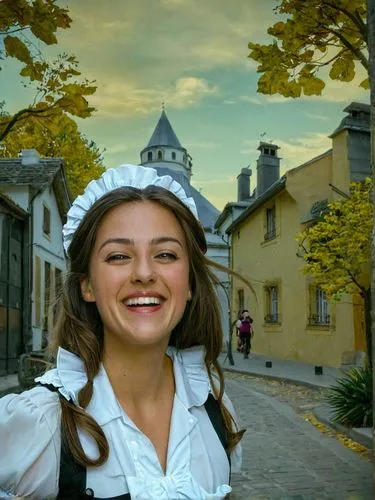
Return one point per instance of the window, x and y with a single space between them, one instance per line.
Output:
319 307
46 221
272 304
160 155
270 223
273 152
266 151
173 155
149 156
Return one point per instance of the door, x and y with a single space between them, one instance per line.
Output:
11 286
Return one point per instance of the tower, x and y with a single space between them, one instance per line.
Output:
165 151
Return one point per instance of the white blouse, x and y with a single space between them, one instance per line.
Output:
197 465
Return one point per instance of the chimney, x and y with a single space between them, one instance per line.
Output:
29 157
268 166
243 184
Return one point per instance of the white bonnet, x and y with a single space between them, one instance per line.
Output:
113 178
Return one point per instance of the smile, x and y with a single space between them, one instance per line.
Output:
143 301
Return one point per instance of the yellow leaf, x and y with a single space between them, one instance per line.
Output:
365 84
16 48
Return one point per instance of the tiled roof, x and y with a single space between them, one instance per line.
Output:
207 213
41 174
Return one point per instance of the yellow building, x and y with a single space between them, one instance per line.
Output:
292 317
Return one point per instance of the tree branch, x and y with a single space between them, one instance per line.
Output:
355 18
22 114
360 56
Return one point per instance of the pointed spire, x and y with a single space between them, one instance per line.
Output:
164 134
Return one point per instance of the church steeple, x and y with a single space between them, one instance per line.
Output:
164 134
164 150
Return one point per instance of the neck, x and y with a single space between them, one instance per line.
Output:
138 375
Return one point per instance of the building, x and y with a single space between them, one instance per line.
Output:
165 153
292 317
34 200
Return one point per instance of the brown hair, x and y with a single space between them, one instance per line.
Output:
79 328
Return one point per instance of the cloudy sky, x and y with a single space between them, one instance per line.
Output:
191 54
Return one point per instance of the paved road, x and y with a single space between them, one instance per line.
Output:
285 457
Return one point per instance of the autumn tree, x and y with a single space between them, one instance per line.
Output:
316 34
337 249
83 159
26 26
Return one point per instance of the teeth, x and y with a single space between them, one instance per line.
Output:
140 301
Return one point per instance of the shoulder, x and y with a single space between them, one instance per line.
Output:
30 442
190 373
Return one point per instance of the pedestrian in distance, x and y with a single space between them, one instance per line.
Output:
135 407
245 332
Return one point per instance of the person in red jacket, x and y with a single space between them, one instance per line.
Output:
245 331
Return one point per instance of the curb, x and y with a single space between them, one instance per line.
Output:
304 383
359 435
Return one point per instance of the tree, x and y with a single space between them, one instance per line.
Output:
337 249
317 34
22 24
83 159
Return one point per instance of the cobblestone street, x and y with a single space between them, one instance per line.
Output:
285 457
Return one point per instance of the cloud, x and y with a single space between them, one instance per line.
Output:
251 100
125 98
314 116
294 151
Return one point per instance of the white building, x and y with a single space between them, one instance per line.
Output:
34 200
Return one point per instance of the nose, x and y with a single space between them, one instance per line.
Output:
143 270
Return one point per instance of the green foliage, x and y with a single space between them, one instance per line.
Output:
337 248
83 159
26 25
314 35
351 398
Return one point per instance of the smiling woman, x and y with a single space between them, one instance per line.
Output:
132 409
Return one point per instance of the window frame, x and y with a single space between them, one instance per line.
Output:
46 223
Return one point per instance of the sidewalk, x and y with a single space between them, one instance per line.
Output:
290 371
297 373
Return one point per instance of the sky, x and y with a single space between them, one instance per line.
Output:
193 55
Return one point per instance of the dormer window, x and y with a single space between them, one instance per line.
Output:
149 156
173 155
160 155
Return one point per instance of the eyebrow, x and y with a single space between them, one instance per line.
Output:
153 242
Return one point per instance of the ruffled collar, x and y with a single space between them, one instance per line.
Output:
69 377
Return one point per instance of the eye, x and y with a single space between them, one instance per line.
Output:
117 258
166 256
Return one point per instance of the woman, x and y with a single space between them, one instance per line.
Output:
132 409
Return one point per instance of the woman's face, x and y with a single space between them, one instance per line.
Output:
139 273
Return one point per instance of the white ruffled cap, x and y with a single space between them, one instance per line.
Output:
113 178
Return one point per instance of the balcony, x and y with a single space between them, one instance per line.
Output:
320 320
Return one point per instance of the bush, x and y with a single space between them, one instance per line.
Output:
351 398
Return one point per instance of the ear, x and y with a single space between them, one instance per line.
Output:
86 291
